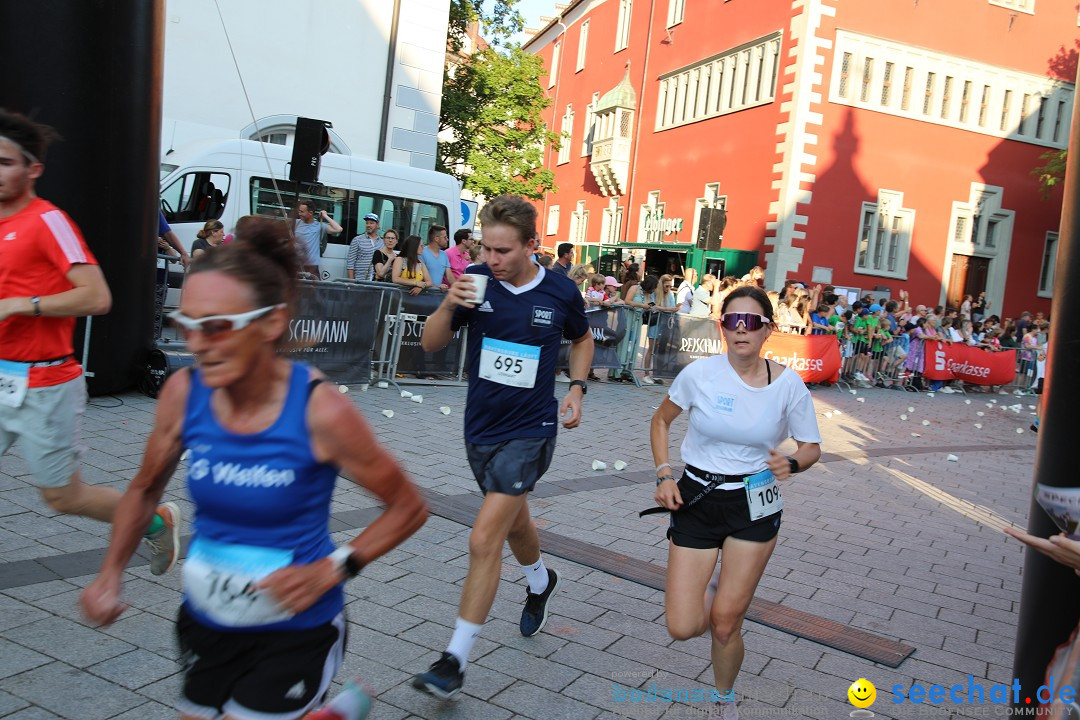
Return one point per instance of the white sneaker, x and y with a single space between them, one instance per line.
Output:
647 380
861 377
562 377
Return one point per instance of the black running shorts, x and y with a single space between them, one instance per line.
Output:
511 467
278 675
716 517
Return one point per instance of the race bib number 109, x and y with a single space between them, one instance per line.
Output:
509 363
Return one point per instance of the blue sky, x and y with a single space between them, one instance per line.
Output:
531 10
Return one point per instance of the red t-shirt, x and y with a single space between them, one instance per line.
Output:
38 246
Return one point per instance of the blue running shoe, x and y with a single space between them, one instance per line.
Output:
443 679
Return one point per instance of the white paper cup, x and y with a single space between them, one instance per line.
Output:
479 285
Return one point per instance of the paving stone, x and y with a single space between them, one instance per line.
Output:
517 664
15 659
71 693
136 669
67 641
534 702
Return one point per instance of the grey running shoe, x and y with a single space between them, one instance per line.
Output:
165 543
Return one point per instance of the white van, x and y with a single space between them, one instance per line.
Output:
227 179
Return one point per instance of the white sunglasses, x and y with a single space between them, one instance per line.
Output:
213 325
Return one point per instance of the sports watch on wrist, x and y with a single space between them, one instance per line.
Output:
346 561
793 463
581 384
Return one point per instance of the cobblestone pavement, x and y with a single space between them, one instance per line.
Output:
886 534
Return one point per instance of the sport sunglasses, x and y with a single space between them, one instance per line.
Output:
215 325
750 321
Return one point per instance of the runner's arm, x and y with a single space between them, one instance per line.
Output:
667 493
581 355
101 599
90 296
438 330
341 437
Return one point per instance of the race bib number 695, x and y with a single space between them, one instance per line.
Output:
509 363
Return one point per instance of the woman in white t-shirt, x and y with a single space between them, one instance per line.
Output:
741 408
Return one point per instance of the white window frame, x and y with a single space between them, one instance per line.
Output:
579 225
622 28
1004 115
1049 262
553 73
675 12
588 131
611 223
566 134
737 79
1024 6
875 235
582 46
552 226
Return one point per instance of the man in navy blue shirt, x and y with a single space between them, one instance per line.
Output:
511 414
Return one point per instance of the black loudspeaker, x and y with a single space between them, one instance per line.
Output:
309 145
711 224
160 364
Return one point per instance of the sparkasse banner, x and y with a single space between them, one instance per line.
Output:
972 365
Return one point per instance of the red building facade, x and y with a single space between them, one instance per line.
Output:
878 145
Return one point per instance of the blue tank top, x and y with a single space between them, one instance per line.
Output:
262 501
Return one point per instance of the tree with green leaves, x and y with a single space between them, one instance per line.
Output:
492 106
497 26
1053 172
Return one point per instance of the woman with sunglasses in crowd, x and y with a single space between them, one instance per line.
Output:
741 407
261 627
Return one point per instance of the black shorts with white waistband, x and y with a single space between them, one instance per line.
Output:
276 675
716 517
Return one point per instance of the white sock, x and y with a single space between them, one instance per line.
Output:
462 641
537 575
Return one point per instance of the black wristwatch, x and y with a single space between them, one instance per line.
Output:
581 384
793 463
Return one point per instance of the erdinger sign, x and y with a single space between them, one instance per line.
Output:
962 362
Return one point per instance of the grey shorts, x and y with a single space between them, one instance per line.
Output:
46 426
511 467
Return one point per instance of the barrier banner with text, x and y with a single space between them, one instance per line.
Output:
608 326
334 329
683 339
412 359
972 365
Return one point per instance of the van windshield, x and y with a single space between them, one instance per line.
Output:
408 216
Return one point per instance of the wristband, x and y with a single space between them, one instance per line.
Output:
346 561
36 302
662 478
661 466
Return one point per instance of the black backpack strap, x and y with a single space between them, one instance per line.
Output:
312 384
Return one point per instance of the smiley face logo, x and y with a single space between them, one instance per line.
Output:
862 693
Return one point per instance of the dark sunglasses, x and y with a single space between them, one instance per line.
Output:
215 325
750 321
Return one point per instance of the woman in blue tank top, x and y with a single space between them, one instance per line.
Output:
261 627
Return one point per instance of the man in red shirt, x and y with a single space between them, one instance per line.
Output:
48 277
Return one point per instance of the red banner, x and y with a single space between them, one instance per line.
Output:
816 358
972 365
